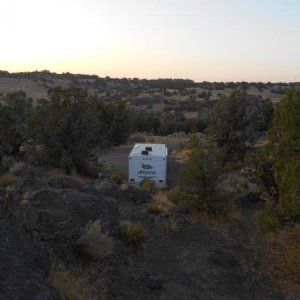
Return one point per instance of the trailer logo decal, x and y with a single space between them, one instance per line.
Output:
146 170
143 172
146 167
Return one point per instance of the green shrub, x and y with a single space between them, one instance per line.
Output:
267 220
197 187
264 174
72 122
175 195
289 189
278 165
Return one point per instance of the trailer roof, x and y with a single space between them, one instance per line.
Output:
158 150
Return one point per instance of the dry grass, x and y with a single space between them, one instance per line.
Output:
160 205
148 185
155 209
71 286
234 165
48 173
133 233
191 114
8 180
220 222
283 259
79 178
158 139
234 182
94 243
161 199
171 225
182 155
117 177
106 165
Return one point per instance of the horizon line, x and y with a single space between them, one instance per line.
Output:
145 78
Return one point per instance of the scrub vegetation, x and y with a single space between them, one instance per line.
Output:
239 187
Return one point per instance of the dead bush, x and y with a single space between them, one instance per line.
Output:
160 204
220 223
8 180
148 185
172 225
49 173
234 165
283 259
71 286
79 178
117 177
155 209
132 233
182 155
161 198
94 243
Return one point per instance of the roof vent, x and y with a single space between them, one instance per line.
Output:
148 148
145 152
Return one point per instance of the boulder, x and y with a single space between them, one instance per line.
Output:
176 291
61 181
108 187
123 187
251 200
292 297
23 268
154 282
58 214
137 196
29 182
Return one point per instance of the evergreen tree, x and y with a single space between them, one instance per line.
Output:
283 162
229 123
67 128
285 137
200 176
14 116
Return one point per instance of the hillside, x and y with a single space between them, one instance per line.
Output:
139 92
162 106
72 227
42 222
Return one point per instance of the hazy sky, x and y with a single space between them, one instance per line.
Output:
213 40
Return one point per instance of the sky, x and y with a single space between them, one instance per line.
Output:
212 40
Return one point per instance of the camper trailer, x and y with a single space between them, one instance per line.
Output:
148 161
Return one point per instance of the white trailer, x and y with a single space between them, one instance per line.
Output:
148 161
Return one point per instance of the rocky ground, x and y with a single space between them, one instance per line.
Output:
41 221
